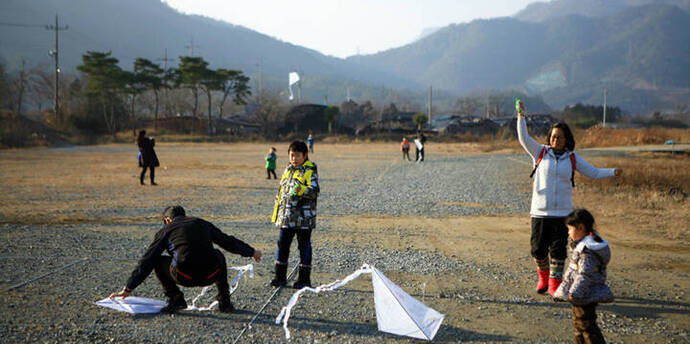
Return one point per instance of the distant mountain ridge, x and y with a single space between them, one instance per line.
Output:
570 58
541 11
549 49
146 28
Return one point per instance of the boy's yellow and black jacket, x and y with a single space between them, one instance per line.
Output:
297 210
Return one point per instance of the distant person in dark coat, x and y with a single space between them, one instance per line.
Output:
148 157
192 261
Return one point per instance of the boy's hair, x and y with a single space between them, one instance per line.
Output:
298 146
273 149
569 138
582 217
173 211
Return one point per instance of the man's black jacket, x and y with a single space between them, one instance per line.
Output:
189 240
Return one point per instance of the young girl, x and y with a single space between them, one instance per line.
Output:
584 283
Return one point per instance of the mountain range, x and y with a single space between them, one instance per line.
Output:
567 51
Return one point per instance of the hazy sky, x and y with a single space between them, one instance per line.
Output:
341 27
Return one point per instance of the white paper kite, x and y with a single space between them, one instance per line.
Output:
133 304
293 78
396 311
143 305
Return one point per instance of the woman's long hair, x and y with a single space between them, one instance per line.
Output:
569 138
141 136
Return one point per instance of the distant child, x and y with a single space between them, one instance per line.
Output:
405 148
295 214
271 163
584 282
310 142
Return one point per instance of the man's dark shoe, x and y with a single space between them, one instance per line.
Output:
175 304
225 305
152 183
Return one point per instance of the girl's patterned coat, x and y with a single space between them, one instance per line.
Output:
585 278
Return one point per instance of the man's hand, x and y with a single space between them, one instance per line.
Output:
617 172
257 255
122 293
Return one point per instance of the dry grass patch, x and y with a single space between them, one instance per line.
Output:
650 196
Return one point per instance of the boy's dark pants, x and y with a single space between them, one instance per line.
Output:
549 235
303 244
585 325
406 154
170 278
268 172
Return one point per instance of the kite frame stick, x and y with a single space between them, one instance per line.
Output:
46 274
249 324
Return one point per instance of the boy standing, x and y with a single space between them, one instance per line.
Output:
271 163
295 214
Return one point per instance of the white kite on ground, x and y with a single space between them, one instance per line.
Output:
133 304
293 78
143 305
396 311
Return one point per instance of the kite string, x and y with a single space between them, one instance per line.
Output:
47 274
285 312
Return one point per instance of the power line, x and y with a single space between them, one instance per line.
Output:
23 25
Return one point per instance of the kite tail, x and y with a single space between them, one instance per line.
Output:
285 312
233 286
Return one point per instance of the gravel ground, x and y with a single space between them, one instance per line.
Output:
59 308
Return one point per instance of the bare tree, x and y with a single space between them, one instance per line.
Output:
268 110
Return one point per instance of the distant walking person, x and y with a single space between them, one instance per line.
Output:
271 163
310 142
405 148
419 145
148 156
552 196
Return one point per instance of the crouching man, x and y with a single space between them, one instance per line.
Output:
192 259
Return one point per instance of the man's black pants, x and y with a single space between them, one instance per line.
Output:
303 244
549 235
170 277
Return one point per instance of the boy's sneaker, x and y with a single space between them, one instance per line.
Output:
175 304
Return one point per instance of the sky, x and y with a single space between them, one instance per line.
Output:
347 27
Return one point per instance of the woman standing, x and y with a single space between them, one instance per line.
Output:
148 156
552 196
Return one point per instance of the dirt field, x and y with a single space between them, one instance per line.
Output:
87 202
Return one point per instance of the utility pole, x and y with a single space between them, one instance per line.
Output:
429 110
165 60
191 47
55 54
604 124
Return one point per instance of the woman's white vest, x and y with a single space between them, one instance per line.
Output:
552 191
